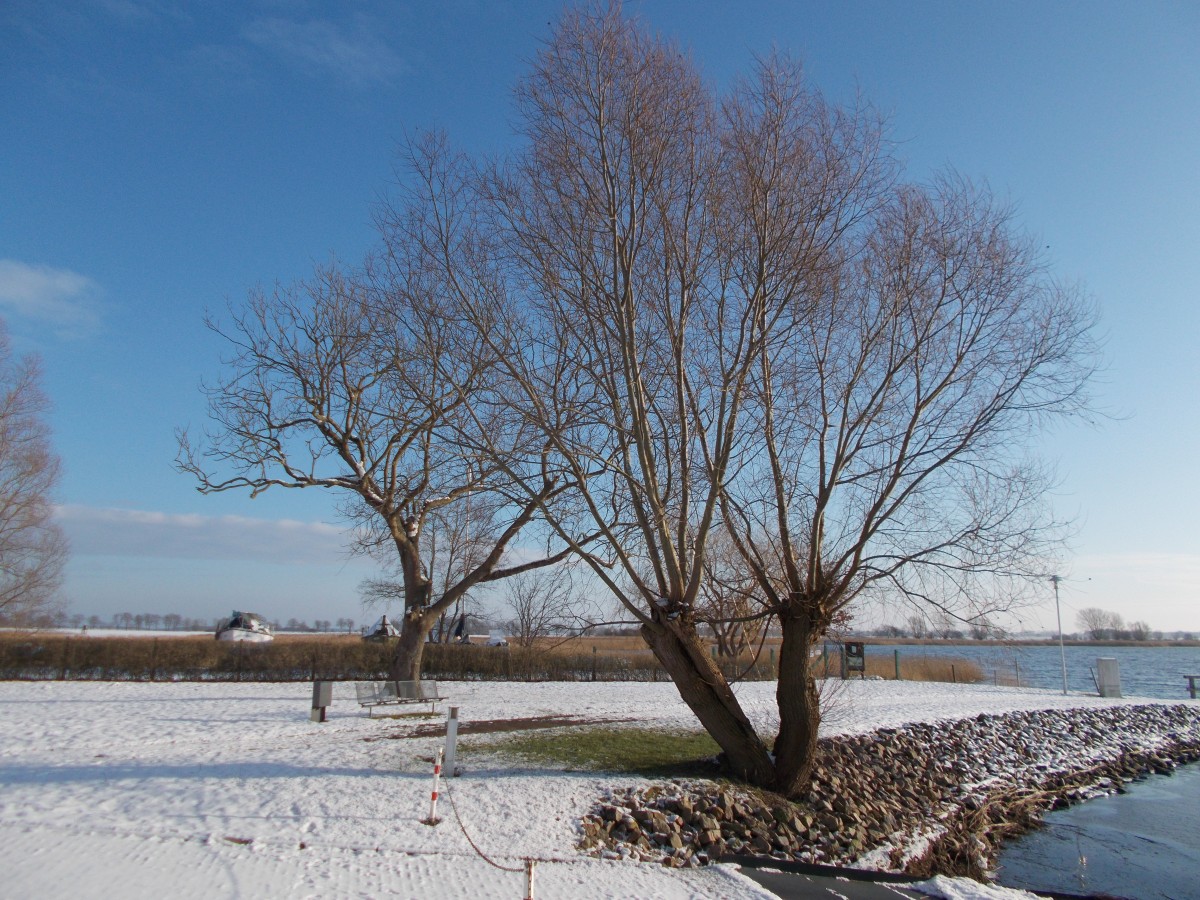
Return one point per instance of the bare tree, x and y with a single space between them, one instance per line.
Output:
729 314
33 550
352 384
1138 631
1100 624
542 602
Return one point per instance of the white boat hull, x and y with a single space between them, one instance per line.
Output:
242 634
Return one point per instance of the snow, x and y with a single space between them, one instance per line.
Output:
965 889
220 790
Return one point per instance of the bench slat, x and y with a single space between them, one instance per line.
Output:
378 693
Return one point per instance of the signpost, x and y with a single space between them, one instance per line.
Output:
854 659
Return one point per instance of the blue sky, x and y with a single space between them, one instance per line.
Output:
161 159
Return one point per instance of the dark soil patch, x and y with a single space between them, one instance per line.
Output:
497 726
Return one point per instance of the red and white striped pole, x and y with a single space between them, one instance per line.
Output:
437 774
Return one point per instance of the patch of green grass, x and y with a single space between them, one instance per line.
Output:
641 751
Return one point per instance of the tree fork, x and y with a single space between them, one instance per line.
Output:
704 689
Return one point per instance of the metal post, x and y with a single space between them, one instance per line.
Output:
437 774
321 698
1061 650
529 867
451 741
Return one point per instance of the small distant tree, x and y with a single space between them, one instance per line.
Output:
1139 631
33 549
727 602
1099 624
542 602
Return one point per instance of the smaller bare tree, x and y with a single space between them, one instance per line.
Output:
1100 624
1138 631
543 602
917 626
727 603
350 384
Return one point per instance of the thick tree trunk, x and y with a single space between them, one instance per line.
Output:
799 708
414 629
704 689
410 648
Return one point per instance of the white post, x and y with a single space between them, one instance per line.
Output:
437 773
529 864
1061 650
451 741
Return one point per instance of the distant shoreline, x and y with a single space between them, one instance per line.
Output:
1022 642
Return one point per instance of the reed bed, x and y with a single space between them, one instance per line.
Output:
295 657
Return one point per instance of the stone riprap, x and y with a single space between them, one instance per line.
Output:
922 799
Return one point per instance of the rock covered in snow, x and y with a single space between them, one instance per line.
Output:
922 798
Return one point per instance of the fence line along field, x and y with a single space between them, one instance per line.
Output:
339 657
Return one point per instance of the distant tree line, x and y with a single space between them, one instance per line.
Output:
1094 625
165 622
1104 625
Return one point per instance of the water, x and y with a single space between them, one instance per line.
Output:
1145 671
1144 844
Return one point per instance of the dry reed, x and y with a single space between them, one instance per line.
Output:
337 657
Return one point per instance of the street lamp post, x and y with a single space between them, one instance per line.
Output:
1055 579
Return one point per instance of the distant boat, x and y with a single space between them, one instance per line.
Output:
244 626
382 630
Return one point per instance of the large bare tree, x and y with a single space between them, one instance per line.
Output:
33 549
355 384
729 313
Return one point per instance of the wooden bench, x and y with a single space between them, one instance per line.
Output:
384 693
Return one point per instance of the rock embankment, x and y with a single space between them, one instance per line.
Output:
923 799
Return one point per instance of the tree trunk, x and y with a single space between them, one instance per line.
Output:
410 648
704 689
799 708
416 623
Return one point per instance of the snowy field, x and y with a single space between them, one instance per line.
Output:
130 790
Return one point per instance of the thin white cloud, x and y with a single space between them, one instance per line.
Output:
357 55
65 300
102 531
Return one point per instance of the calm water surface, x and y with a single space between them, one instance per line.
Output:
1144 844
1145 671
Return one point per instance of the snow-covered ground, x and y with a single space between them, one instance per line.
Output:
228 790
